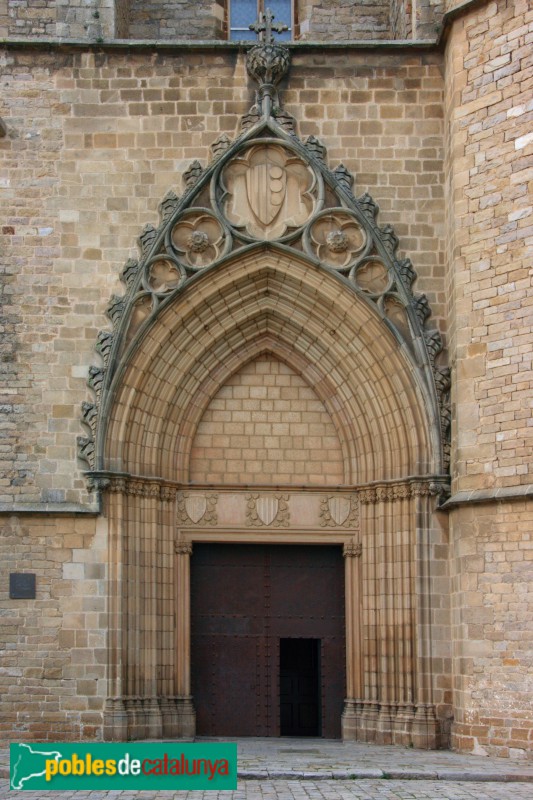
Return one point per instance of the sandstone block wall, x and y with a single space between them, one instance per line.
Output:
202 19
489 183
317 20
492 619
89 20
53 649
266 425
488 118
323 20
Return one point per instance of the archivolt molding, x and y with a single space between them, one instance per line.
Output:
265 188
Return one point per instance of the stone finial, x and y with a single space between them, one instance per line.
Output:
267 62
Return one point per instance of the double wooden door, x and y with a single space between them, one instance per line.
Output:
267 640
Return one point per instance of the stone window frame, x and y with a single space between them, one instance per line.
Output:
262 5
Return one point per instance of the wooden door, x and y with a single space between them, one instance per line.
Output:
245 601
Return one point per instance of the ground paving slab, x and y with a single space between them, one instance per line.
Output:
298 769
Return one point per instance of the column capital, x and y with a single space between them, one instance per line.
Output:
352 549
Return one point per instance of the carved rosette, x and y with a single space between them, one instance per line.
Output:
164 274
196 509
339 511
267 510
370 275
336 238
199 239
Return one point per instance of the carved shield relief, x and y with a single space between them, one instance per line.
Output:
266 186
339 508
267 191
267 509
196 506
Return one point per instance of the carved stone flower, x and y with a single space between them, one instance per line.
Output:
337 241
336 238
164 275
198 239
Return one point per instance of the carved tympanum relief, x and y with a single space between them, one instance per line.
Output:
268 191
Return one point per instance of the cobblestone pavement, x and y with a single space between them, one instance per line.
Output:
311 769
310 790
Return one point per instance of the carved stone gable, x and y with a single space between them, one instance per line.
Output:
268 186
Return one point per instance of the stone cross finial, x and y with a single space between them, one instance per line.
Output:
264 27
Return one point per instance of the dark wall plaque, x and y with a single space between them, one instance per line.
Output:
22 585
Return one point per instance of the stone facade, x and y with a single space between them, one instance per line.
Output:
203 19
96 138
167 20
488 109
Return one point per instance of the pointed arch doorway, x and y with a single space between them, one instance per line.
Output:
156 522
269 255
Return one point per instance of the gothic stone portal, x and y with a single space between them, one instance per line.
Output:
259 616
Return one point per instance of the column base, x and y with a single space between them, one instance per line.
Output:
425 728
179 717
390 723
134 717
115 720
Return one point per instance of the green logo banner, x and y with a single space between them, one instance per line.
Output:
129 765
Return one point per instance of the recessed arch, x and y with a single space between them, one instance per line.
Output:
266 424
337 341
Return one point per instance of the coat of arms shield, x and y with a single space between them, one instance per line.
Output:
267 509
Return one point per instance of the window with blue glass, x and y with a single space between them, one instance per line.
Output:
243 13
